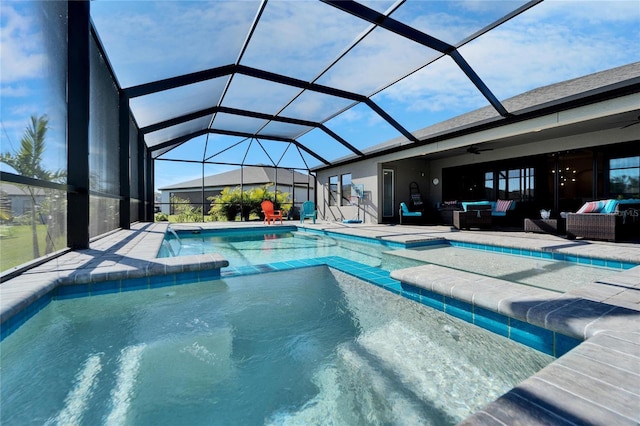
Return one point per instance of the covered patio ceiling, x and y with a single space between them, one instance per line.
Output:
292 83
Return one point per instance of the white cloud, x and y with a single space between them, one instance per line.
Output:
21 46
147 41
439 87
587 12
552 46
375 62
552 42
300 38
15 91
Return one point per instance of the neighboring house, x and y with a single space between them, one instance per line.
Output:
16 201
564 144
300 186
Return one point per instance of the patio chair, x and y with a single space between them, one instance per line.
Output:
404 212
270 215
416 198
308 210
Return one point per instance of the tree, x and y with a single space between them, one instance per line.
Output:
27 161
5 207
184 210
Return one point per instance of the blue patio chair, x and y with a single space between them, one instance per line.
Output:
308 210
404 212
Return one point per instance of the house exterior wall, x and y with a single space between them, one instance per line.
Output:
521 140
22 204
365 173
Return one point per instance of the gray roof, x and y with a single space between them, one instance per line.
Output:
249 176
15 190
536 99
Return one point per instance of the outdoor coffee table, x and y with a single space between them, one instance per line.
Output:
545 226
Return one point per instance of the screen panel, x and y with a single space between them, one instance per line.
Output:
149 41
300 38
161 106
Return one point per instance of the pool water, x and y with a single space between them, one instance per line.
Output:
256 247
242 248
308 346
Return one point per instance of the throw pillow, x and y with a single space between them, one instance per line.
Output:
503 205
590 207
609 206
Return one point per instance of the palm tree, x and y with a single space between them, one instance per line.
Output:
27 161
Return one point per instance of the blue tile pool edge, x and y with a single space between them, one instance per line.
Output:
548 255
539 338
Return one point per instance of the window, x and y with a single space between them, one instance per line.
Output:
528 183
502 185
489 188
333 190
345 189
624 177
516 184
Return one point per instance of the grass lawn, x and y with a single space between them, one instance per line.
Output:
16 247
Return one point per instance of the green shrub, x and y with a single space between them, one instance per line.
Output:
161 217
184 211
229 202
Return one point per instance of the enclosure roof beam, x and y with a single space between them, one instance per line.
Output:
182 139
403 30
245 113
179 81
174 82
382 113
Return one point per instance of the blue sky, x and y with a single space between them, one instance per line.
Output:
147 40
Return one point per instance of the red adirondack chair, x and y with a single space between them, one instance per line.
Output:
269 213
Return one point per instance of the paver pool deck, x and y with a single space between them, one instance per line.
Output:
598 382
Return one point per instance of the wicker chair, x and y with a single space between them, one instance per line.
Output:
623 224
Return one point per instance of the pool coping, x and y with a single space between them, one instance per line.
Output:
597 382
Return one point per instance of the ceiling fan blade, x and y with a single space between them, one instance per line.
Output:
475 150
629 125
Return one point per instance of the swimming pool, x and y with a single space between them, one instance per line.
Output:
306 346
267 245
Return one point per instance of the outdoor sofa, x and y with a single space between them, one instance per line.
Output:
503 212
608 220
500 208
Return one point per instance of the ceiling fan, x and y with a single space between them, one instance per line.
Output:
475 150
633 123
